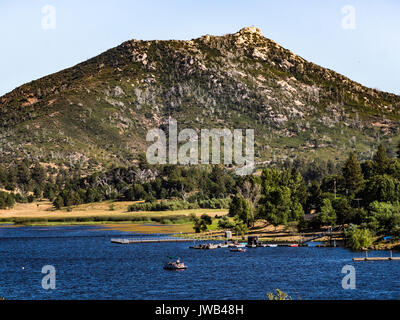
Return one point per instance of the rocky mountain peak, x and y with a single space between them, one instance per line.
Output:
98 112
252 30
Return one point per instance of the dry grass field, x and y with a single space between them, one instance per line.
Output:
44 209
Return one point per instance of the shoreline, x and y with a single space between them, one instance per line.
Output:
187 230
42 214
114 213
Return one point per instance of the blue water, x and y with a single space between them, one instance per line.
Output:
89 266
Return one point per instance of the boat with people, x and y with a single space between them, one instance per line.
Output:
175 265
238 250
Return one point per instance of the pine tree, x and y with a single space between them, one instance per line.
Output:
352 175
314 199
398 150
381 160
58 203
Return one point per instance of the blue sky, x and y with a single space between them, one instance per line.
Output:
369 54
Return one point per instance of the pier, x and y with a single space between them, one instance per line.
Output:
366 258
154 240
376 259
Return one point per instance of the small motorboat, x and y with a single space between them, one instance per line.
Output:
251 246
211 246
238 250
175 265
222 246
196 247
293 245
272 245
237 245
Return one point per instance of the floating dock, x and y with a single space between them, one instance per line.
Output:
376 259
155 240
366 258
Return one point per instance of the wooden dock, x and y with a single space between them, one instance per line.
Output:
376 259
366 258
155 240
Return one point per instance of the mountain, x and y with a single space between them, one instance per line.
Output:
98 112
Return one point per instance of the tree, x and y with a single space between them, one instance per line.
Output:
384 217
382 188
398 150
136 192
11 179
251 191
394 169
7 200
283 193
352 174
327 216
314 199
358 238
276 207
342 208
297 186
200 224
240 208
49 192
58 203
206 218
10 201
38 174
3 176
241 228
381 160
367 168
224 223
37 192
23 176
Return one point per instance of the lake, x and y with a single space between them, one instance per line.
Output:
89 266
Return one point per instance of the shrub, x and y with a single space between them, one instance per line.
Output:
7 200
358 238
279 295
224 223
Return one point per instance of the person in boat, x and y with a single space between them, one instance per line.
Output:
179 264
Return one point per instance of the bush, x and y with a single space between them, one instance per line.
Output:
358 238
224 223
327 216
7 200
200 224
214 203
173 205
279 295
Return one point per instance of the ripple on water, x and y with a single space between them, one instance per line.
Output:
89 266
